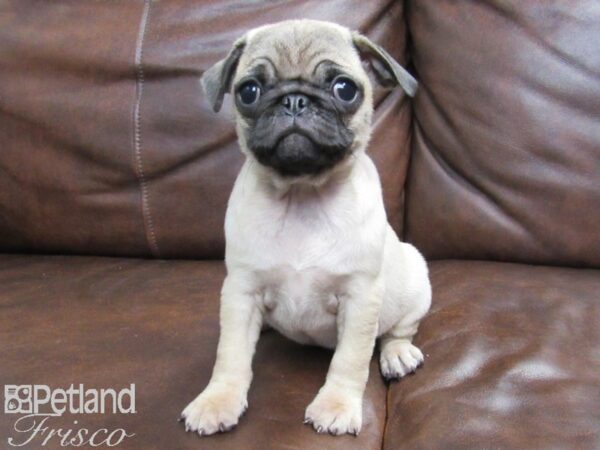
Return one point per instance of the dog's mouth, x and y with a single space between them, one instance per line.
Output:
296 152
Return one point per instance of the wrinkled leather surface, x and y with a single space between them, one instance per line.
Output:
506 154
512 360
108 146
67 86
109 322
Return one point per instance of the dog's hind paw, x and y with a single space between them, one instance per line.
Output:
399 358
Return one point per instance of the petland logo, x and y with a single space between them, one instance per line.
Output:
38 404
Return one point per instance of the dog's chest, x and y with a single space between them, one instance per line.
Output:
301 253
301 232
301 266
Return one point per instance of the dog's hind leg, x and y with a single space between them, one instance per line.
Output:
407 300
398 356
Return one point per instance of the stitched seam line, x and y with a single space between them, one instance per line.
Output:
387 415
139 166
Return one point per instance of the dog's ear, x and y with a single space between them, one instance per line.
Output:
216 81
385 67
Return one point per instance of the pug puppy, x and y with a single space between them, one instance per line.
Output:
309 251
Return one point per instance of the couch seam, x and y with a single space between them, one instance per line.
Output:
385 417
137 133
411 126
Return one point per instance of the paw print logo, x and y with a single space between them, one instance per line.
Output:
17 399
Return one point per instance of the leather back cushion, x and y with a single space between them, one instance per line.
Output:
107 145
506 143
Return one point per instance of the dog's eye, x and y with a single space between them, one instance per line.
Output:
249 92
345 89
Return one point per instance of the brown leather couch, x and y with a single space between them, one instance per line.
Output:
114 178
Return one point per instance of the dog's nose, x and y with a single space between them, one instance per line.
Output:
295 104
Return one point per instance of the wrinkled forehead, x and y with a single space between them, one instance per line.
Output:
299 51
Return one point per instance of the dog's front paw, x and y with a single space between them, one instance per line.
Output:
214 410
335 411
398 358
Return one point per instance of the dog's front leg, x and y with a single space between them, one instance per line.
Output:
337 408
224 400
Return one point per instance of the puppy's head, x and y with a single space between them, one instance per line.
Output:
303 99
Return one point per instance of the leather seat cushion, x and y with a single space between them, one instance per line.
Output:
512 361
109 322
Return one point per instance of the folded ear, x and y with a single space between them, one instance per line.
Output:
216 81
385 63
